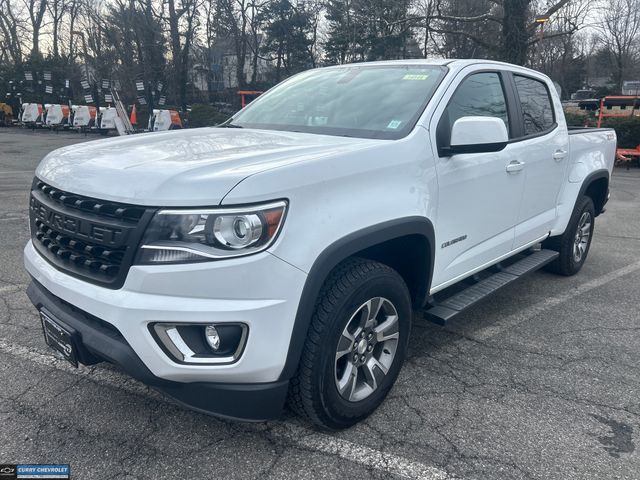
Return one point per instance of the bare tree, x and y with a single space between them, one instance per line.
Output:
235 16
467 28
560 52
92 36
427 10
619 31
12 28
74 9
211 21
183 20
57 10
37 10
473 24
254 41
131 39
315 9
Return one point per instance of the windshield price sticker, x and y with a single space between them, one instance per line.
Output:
415 76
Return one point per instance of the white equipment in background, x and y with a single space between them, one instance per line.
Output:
84 116
57 115
162 120
108 120
115 118
31 113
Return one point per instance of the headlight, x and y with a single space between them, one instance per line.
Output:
179 236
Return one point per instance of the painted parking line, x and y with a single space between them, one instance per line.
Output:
369 457
15 218
385 462
104 376
511 321
12 288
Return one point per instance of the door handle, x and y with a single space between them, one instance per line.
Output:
514 166
559 155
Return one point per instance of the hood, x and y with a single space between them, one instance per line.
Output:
194 167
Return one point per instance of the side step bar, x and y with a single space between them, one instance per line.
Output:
441 312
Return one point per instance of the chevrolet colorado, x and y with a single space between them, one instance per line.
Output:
282 255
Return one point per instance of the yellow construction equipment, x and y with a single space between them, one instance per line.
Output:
6 115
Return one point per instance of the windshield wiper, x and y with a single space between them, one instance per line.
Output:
229 125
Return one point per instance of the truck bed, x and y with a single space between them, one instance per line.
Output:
580 130
591 149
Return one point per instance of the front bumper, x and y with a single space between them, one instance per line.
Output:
260 291
101 341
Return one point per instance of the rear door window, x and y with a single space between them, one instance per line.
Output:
537 108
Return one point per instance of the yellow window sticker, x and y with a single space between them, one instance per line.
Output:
415 76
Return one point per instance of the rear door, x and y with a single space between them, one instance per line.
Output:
544 139
478 199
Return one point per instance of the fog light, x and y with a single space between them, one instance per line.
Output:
201 343
213 339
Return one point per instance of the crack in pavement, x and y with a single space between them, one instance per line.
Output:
386 462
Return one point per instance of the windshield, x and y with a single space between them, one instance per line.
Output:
356 101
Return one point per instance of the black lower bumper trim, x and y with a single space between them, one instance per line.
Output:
102 341
238 401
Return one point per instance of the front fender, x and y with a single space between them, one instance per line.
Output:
341 250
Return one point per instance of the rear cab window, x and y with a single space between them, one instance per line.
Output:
538 115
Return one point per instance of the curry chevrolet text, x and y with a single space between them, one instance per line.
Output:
279 258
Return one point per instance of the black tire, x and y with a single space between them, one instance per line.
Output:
567 264
313 391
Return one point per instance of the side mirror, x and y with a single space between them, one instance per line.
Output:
478 135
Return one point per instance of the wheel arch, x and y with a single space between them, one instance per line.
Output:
596 186
406 244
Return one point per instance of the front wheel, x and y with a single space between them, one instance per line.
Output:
573 245
356 345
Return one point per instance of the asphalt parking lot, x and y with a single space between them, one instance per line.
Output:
541 381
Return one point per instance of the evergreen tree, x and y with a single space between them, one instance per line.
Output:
361 30
288 29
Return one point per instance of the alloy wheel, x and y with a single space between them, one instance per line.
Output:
366 349
582 237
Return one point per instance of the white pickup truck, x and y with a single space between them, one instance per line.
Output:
282 255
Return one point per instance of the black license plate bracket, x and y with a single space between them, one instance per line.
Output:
60 337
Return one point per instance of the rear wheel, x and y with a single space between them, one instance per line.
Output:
573 245
356 345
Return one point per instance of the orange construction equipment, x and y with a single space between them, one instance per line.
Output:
175 119
627 155
623 155
621 101
244 93
134 116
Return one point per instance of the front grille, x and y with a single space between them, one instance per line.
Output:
92 239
